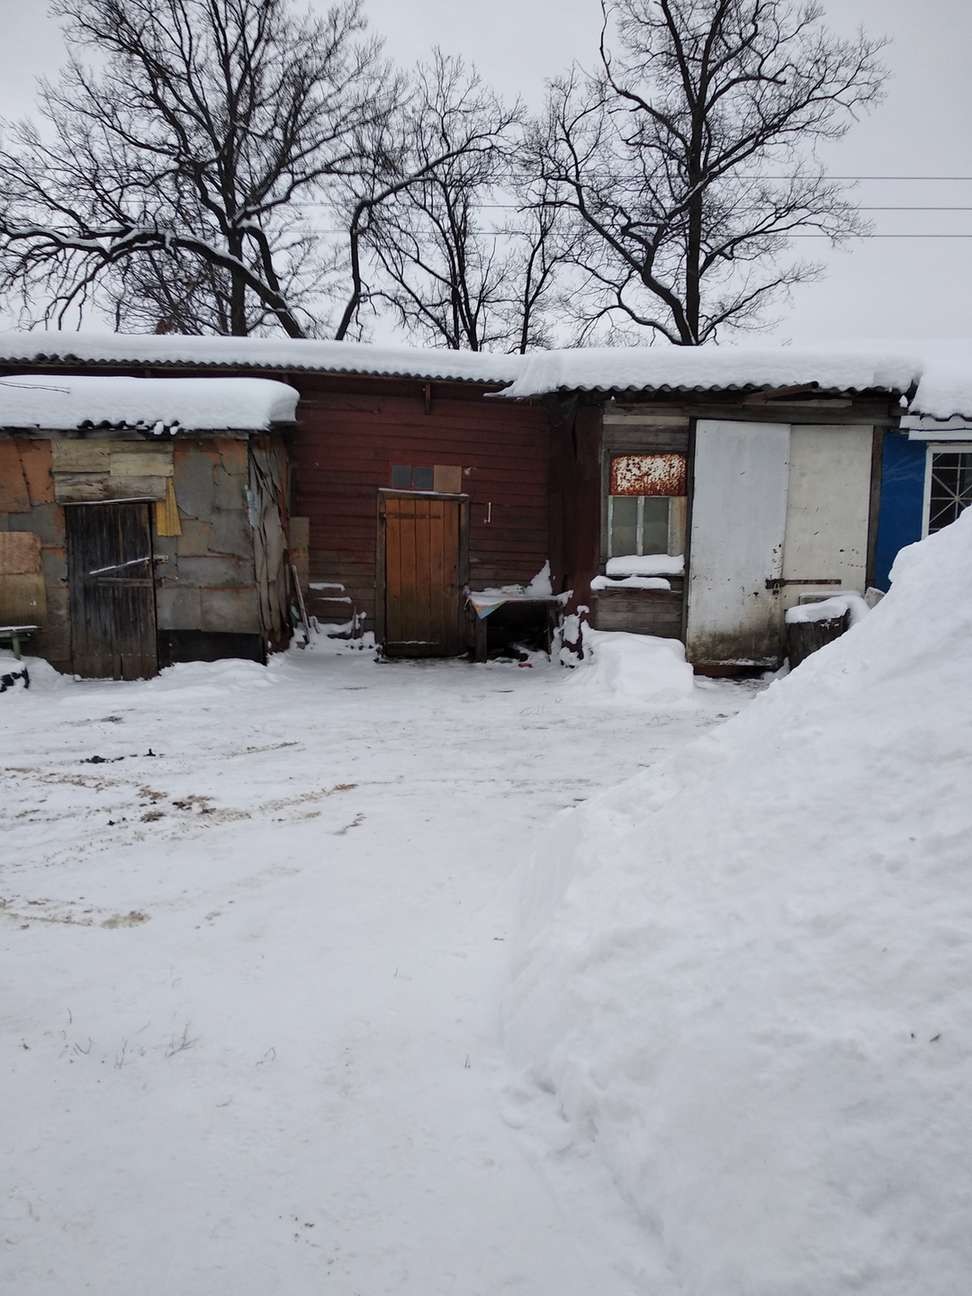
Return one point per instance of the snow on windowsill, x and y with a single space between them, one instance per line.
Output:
645 565
631 582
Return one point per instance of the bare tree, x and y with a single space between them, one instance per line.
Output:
446 126
176 292
170 177
443 274
687 160
453 273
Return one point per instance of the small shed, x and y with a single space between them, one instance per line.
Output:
143 520
710 489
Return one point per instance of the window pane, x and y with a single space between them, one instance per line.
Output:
401 476
654 525
623 538
951 487
423 479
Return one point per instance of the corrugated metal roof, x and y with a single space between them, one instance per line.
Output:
942 371
286 355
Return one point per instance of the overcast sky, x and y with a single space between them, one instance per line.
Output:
883 287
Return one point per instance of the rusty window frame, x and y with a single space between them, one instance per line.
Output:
608 476
631 473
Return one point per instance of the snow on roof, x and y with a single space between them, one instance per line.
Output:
59 403
289 354
715 368
945 386
942 370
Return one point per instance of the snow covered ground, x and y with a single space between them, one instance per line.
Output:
744 977
253 942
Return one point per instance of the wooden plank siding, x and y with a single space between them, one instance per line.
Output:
343 451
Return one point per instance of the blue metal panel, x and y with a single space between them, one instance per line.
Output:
902 501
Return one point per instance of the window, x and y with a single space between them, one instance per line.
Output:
948 485
405 477
646 504
444 478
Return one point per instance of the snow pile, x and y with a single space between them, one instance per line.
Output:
633 668
58 403
829 608
745 975
646 565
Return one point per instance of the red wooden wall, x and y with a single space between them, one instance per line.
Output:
350 433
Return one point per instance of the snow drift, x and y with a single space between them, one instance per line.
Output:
746 975
641 670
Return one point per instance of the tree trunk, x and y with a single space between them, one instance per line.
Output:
238 326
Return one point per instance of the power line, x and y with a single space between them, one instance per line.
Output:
519 207
755 234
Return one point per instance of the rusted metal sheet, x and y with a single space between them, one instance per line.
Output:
112 590
20 553
648 474
14 496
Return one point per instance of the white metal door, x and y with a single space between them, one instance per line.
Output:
827 509
736 549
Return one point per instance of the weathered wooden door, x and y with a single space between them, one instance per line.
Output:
421 545
736 542
111 584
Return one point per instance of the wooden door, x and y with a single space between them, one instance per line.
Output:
420 577
111 590
739 498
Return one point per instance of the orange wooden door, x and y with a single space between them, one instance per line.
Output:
422 574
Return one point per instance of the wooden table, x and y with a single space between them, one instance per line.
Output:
483 603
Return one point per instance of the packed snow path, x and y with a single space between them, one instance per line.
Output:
253 944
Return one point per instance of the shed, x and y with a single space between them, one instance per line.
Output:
407 485
142 520
711 489
693 493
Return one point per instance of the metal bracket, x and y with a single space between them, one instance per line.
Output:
776 583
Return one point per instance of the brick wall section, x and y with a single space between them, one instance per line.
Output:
343 451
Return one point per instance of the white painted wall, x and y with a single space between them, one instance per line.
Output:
827 508
739 511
